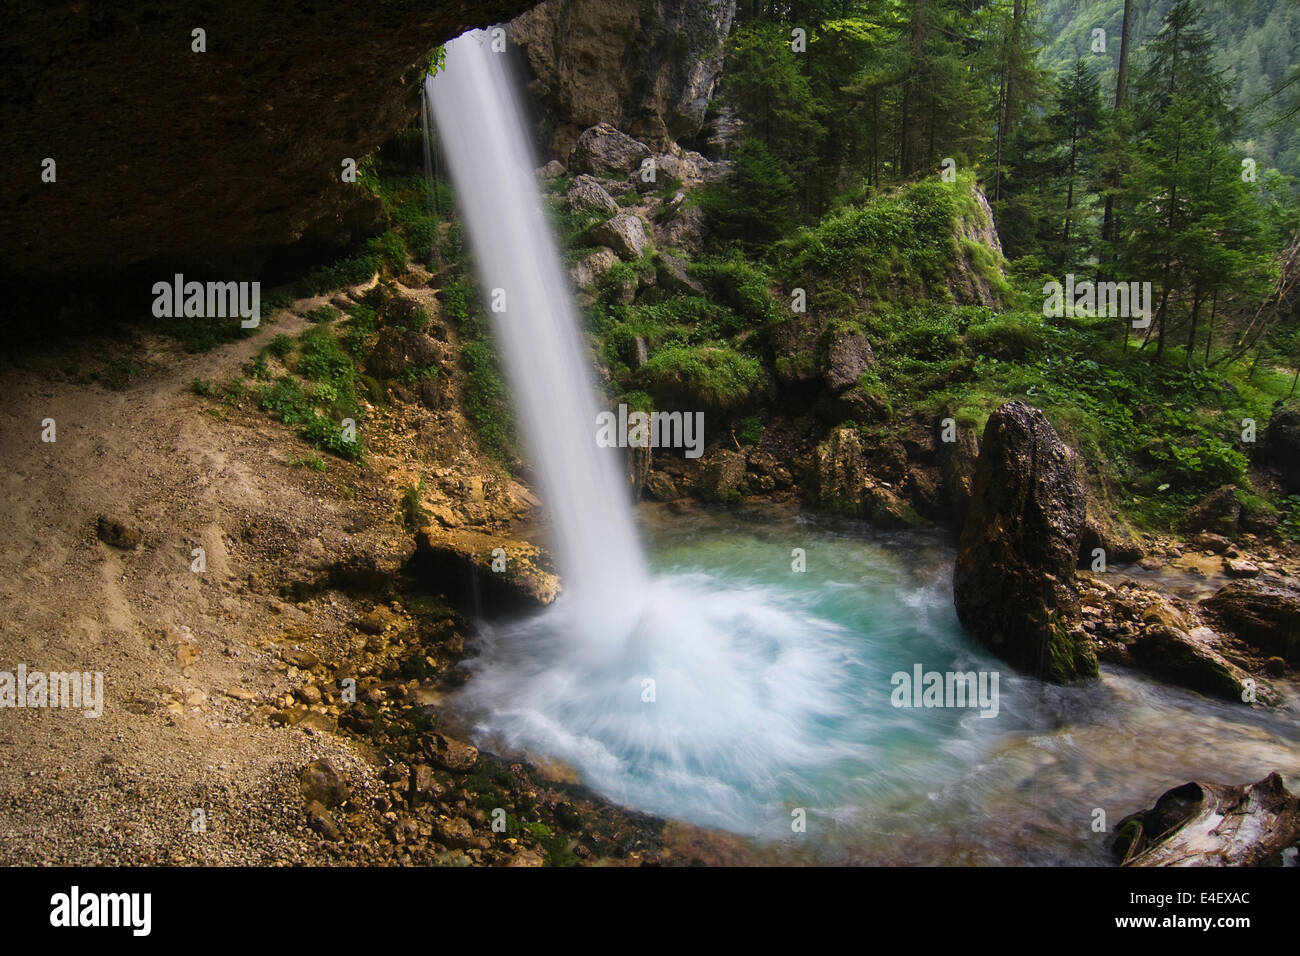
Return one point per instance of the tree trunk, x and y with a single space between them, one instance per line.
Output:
1121 81
1108 225
1209 335
1191 332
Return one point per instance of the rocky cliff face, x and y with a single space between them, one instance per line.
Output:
202 159
648 67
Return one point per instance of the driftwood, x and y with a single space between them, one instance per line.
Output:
1212 824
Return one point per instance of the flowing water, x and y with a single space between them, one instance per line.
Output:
485 141
773 693
728 689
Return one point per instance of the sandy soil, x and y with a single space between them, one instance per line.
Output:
186 656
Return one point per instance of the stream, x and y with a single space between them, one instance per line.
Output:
772 699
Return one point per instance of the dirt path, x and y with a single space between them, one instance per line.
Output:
185 656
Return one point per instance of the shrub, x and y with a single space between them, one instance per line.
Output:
314 462
1008 336
487 402
713 375
743 286
413 514
274 301
280 346
322 314
349 271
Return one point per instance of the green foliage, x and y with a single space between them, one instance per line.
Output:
257 368
322 314
413 514
750 431
1289 524
754 204
487 401
197 334
391 250
345 272
280 346
314 462
318 410
486 398
361 325
322 359
201 386
742 285
275 301
892 245
711 375
1010 336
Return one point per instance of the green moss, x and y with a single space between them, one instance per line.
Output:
892 246
1009 336
1065 658
712 375
750 431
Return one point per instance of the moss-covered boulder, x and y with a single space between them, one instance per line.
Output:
1014 579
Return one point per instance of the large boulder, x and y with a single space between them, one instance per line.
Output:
685 229
689 170
673 277
485 574
722 476
1281 448
846 484
1191 659
625 234
1014 579
592 266
1212 824
605 151
978 270
848 355
1218 512
1263 615
588 195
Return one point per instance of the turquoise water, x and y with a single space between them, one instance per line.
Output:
748 696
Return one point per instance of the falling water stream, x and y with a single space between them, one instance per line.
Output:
718 684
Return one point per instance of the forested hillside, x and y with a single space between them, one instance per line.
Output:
1132 166
1255 43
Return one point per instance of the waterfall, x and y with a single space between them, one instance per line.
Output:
485 141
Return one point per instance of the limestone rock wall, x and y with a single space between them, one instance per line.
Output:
648 67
